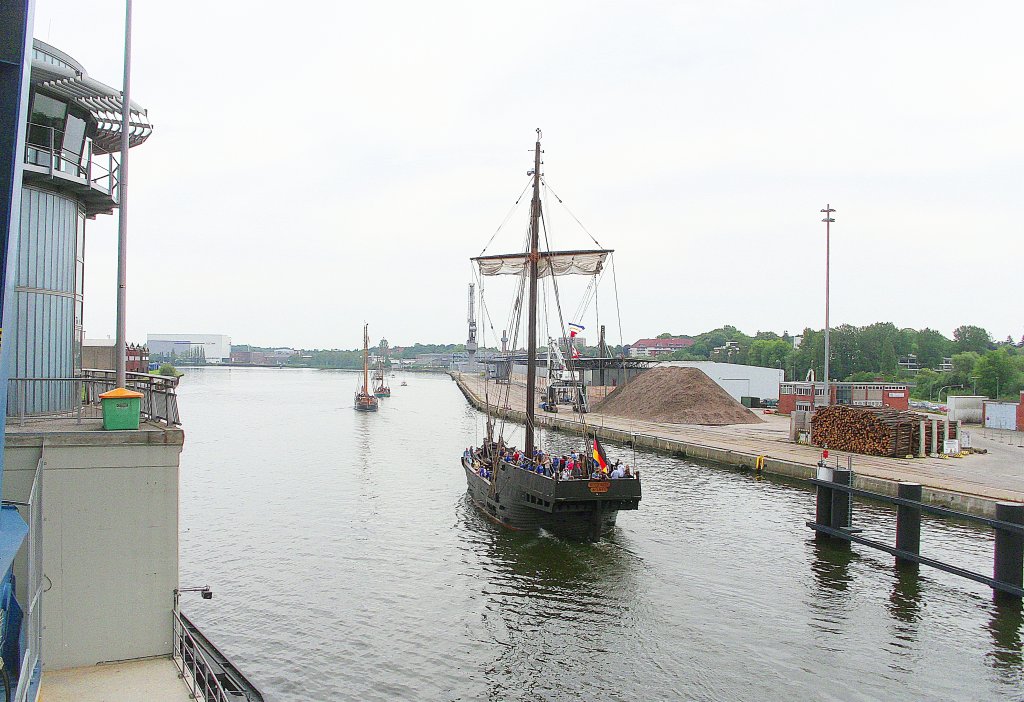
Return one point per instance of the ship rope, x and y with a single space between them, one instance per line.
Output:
569 361
562 203
590 296
508 216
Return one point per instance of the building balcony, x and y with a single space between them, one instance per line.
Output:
91 177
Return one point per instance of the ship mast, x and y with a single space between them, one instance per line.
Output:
366 359
531 349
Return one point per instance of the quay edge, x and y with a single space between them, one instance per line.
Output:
964 502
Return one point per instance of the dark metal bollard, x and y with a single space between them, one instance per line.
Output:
840 517
1009 551
908 522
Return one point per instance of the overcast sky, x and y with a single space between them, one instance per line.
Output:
315 165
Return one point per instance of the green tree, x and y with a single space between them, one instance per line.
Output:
963 366
925 381
872 342
810 355
844 351
931 347
997 374
972 338
769 353
889 363
168 370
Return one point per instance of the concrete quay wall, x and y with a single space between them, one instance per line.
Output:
972 504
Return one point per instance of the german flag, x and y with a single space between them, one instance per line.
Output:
599 458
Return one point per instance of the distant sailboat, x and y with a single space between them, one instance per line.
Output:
380 387
365 402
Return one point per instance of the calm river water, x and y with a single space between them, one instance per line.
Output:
347 565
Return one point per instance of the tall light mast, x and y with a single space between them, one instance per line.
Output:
471 346
828 245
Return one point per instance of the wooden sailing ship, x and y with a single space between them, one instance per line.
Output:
365 401
520 489
380 386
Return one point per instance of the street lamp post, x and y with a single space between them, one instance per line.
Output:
944 387
828 243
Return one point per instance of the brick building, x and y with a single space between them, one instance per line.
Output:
798 395
656 347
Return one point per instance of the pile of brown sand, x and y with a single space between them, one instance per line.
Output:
676 396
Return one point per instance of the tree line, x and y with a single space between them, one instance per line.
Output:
969 363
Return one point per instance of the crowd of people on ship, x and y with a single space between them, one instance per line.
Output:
571 466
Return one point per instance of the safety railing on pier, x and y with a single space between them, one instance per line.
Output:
208 673
198 672
833 519
76 399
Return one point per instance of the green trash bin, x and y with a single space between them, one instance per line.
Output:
121 409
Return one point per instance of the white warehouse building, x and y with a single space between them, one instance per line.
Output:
739 380
215 347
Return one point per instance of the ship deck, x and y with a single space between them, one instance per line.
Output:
145 680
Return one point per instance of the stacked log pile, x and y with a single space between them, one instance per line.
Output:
875 432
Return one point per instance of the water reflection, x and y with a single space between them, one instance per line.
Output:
831 564
1005 626
905 598
555 608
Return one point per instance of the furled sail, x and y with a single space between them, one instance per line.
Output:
589 262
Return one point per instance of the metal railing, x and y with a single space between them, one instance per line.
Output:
42 149
76 399
33 619
196 669
833 518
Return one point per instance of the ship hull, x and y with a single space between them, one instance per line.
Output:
581 510
365 403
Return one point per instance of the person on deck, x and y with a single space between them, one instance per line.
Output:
618 473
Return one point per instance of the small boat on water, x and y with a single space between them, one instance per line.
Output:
365 402
578 494
403 384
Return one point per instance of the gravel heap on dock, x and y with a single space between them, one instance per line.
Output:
676 396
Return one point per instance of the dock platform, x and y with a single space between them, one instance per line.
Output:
972 484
